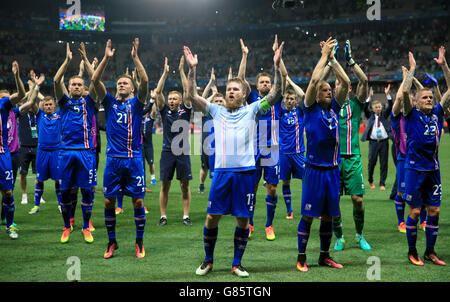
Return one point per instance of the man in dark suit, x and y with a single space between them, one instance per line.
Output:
378 132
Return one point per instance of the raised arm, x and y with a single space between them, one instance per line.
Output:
437 91
192 62
284 73
20 94
183 79
341 76
311 91
58 80
142 90
407 105
211 82
363 83
33 100
398 102
243 66
445 102
443 63
160 100
275 92
100 89
230 73
298 90
85 65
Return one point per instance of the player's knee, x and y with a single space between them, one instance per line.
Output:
165 186
307 219
8 193
414 213
433 211
110 203
138 203
212 221
184 187
357 201
271 189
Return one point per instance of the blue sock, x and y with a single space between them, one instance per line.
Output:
399 208
38 191
9 207
86 206
110 222
271 202
423 214
139 220
325 234
120 199
66 207
431 231
209 242
240 242
411 232
74 201
58 191
287 197
253 213
303 230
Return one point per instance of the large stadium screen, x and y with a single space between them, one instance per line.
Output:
86 20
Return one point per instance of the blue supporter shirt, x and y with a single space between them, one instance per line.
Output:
5 107
322 134
291 129
49 129
423 135
123 126
76 120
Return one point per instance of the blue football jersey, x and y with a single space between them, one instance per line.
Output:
49 129
291 129
76 119
423 134
123 126
5 107
322 134
267 132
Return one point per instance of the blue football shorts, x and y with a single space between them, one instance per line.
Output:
232 193
320 191
124 173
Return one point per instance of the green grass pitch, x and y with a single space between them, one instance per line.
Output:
175 251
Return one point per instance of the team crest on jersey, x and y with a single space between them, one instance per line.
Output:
115 106
181 111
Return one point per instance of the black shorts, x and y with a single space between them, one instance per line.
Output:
15 158
148 153
170 162
27 156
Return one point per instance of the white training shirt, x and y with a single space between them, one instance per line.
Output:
235 136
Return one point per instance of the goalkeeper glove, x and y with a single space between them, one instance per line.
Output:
348 54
